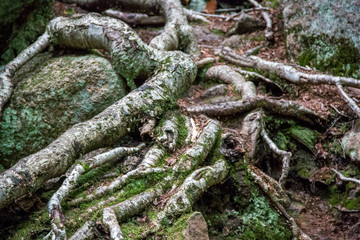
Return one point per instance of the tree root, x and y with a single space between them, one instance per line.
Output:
269 34
285 157
177 32
346 179
226 74
194 185
293 75
281 107
279 198
167 82
54 206
6 84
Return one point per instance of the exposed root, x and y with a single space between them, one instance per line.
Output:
281 107
6 83
352 104
284 71
346 179
269 34
279 198
54 206
285 157
194 185
195 155
118 183
177 32
169 132
166 83
203 62
256 75
110 221
152 157
226 74
250 131
136 19
139 202
87 231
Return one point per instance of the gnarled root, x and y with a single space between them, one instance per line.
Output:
281 107
167 82
177 32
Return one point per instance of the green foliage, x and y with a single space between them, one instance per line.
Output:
260 221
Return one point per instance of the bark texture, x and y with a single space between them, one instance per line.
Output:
171 74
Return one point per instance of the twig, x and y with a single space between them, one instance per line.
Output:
333 107
247 11
343 178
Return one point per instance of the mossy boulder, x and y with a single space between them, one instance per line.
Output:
21 22
324 35
52 94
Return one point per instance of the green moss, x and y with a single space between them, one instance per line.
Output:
304 135
51 91
32 227
218 31
21 23
337 56
182 129
260 221
176 230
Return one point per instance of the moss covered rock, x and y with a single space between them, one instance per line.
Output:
21 22
324 35
53 94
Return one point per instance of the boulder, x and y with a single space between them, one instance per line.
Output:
52 94
324 34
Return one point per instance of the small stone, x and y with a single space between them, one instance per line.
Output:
196 228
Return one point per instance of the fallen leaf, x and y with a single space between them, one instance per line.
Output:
211 7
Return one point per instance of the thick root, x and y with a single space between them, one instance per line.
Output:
281 107
167 82
226 74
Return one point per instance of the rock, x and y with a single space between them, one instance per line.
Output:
21 22
196 228
51 95
351 143
246 24
324 34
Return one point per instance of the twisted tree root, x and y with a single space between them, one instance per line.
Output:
281 107
177 32
343 178
171 74
226 74
54 206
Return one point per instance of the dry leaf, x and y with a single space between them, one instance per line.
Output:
211 7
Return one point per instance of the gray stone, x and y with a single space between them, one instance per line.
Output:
196 228
51 95
246 24
324 34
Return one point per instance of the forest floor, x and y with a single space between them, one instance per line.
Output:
310 206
